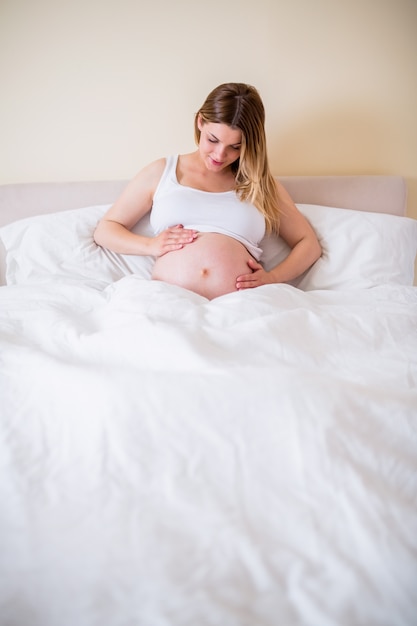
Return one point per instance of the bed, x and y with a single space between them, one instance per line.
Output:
170 461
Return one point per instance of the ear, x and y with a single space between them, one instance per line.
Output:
200 123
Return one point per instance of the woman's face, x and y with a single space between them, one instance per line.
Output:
219 145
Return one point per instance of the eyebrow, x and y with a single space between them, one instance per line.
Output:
239 143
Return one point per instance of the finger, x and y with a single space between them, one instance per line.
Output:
254 264
244 282
180 236
245 278
172 242
246 285
180 231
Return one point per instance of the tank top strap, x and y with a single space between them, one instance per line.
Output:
171 167
169 175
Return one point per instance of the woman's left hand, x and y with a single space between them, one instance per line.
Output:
256 278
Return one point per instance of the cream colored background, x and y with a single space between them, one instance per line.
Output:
95 89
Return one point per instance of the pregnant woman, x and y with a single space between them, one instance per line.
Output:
211 208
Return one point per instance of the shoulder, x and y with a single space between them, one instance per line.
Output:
150 175
283 194
141 188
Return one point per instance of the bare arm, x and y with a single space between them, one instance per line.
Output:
297 232
114 229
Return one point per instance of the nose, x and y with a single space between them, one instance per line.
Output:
220 153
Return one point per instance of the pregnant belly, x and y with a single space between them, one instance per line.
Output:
209 266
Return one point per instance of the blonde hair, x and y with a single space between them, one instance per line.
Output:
240 106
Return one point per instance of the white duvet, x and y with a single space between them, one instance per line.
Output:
170 461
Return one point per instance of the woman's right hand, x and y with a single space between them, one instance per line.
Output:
173 238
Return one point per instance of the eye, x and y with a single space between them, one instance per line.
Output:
212 140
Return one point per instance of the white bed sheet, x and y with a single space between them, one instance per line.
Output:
170 461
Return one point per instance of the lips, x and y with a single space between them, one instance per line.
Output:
216 163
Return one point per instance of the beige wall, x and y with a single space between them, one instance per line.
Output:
95 89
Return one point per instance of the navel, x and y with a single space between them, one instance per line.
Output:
205 272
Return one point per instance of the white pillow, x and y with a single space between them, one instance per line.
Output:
360 249
61 245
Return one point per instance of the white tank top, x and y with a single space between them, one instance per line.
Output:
205 211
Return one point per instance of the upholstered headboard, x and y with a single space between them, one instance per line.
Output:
381 194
